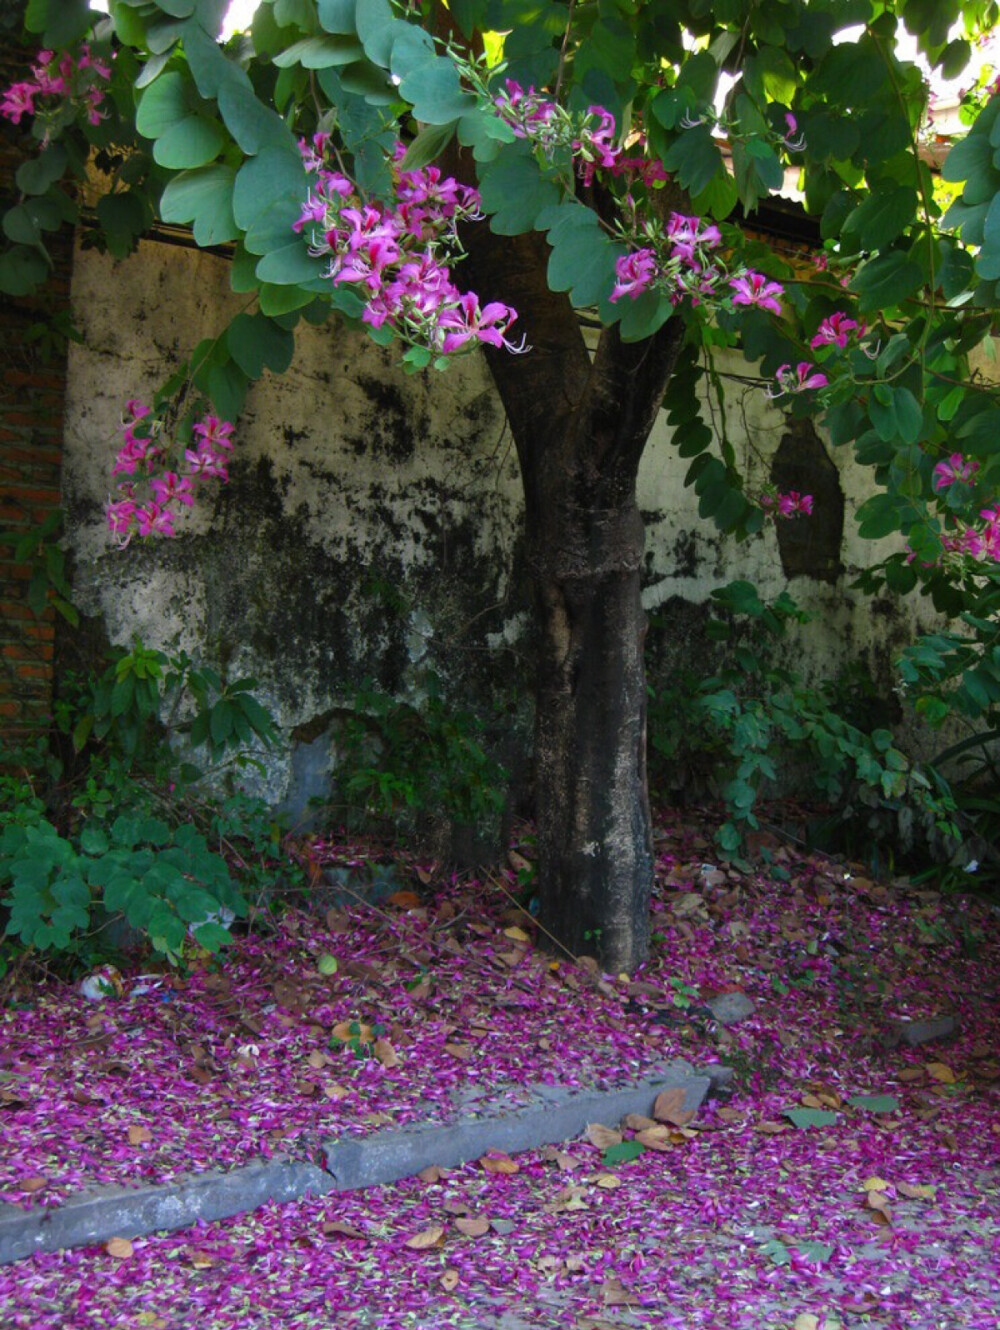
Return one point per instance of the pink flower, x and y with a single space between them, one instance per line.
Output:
793 503
204 462
801 379
753 288
836 331
18 100
212 430
154 521
687 234
956 470
171 487
467 320
120 515
635 273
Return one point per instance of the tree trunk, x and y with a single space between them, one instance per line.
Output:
580 422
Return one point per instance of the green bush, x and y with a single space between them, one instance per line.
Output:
739 723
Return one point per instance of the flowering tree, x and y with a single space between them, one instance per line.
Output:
474 175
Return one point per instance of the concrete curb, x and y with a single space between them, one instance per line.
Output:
555 1113
562 1114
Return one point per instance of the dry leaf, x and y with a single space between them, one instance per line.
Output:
609 1181
656 1138
432 1173
201 1260
461 1051
473 1226
338 1227
427 1237
916 1192
120 1248
669 1107
941 1072
386 1054
318 1060
911 1074
499 1164
32 1184
770 1128
516 934
449 1279
638 1122
875 1184
334 1091
601 1136
730 1114
404 900
810 1101
138 1135
348 1030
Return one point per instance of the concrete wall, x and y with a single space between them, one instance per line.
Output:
372 524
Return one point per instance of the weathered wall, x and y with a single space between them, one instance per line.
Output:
32 378
373 519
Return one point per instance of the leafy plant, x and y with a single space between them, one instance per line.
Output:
165 881
398 757
752 711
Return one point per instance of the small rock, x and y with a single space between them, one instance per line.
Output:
731 1008
719 1074
914 1033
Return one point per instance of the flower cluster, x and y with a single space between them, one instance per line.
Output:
837 330
681 260
170 482
398 258
74 80
787 504
592 139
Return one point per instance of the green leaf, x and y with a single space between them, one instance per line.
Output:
875 1103
886 280
435 93
61 22
623 1153
321 53
290 265
695 158
257 342
36 175
810 1117
93 839
883 215
429 143
337 15
267 199
191 143
514 190
167 102
204 198
583 255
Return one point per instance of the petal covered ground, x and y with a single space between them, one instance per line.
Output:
846 1177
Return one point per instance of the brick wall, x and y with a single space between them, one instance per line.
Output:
32 392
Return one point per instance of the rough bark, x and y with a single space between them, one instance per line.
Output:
580 422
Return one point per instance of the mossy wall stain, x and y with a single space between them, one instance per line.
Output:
372 527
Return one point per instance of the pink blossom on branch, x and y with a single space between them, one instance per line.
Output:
635 273
836 330
802 378
753 288
956 470
74 80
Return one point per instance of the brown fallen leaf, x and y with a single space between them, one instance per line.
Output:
473 1226
139 1135
348 1030
916 1192
608 1181
318 1060
656 1138
386 1054
201 1260
911 1074
638 1122
499 1164
337 1227
516 934
432 1173
404 900
427 1237
669 1107
450 1279
941 1072
601 1136
120 1248
461 1051
32 1184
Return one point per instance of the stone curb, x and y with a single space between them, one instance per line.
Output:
388 1156
558 1113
